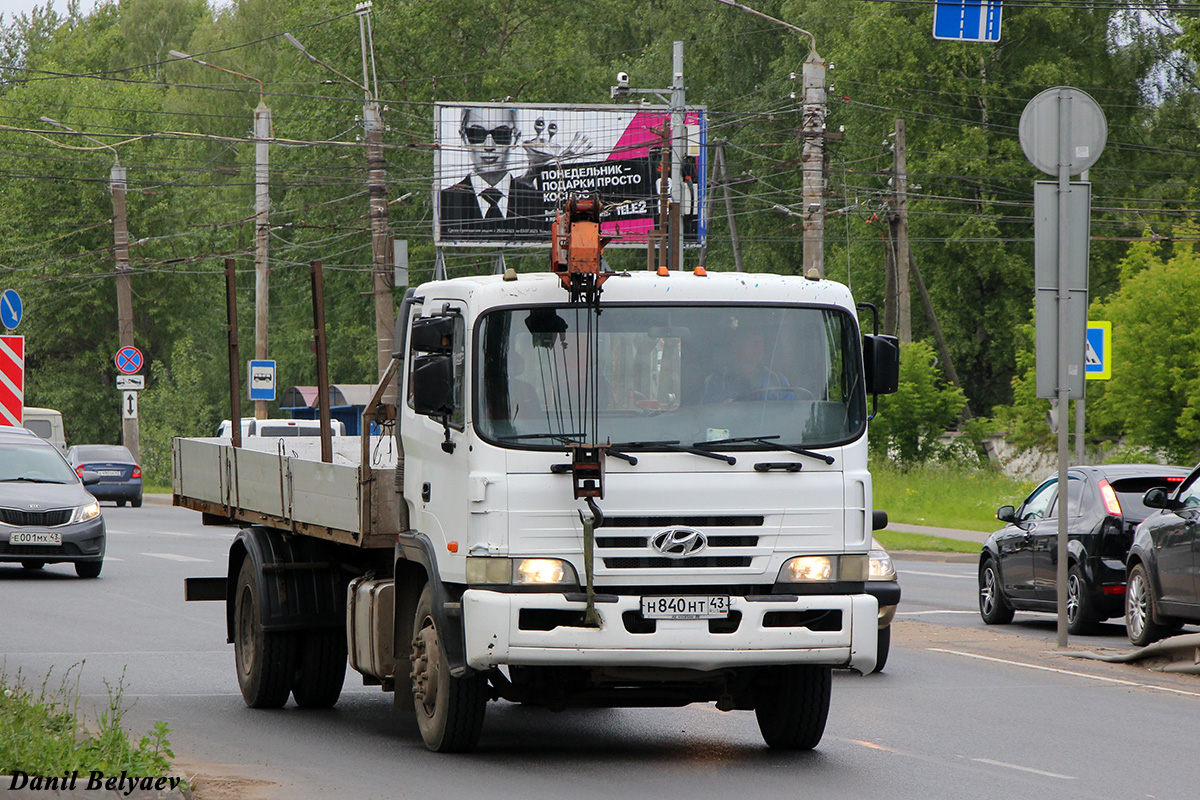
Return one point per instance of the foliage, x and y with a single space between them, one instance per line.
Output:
1024 420
911 421
42 731
894 541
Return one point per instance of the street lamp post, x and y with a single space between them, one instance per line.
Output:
385 313
262 216
130 433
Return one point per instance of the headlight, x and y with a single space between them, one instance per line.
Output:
808 569
520 571
85 513
882 568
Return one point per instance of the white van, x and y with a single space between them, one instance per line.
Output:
281 427
46 423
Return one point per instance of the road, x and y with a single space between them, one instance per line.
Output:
962 711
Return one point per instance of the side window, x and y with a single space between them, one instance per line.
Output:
1037 505
1190 497
1075 489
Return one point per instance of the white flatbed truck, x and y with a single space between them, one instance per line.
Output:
590 499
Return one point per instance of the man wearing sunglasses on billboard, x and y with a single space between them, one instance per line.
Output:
490 202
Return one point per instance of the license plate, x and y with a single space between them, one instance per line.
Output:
686 607
109 473
35 537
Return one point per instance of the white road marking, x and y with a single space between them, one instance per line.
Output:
173 557
969 577
938 611
1068 672
1026 769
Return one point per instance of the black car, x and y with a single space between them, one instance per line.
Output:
1164 590
1018 567
120 475
46 516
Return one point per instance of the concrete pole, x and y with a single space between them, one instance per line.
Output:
812 134
903 290
130 433
385 312
1064 358
678 147
262 237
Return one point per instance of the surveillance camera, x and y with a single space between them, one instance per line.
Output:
623 80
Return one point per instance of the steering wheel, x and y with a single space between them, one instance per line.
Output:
763 391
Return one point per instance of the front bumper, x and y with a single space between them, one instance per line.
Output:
494 634
82 541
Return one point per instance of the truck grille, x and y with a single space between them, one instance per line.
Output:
633 551
40 519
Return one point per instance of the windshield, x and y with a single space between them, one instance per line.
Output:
685 374
36 463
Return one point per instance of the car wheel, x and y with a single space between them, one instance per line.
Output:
266 660
792 705
450 710
88 569
320 668
885 645
120 504
136 502
1081 616
32 565
992 605
1140 615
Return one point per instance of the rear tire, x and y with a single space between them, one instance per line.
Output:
321 668
992 605
266 660
33 565
88 569
120 503
1141 617
792 705
883 647
450 710
136 502
1081 614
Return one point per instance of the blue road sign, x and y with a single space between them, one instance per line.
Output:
10 309
262 380
129 360
967 20
1097 356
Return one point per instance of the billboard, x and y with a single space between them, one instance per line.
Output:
502 169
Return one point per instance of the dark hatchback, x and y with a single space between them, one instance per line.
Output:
1019 563
120 475
1164 587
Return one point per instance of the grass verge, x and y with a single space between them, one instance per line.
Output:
946 496
43 732
893 541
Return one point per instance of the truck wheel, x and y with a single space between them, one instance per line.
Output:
792 704
321 668
450 710
266 660
884 645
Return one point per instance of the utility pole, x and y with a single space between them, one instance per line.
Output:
899 222
678 145
262 217
130 433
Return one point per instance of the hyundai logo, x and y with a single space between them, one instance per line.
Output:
679 542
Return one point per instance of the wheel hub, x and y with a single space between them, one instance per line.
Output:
426 658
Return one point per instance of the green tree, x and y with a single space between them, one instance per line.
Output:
911 421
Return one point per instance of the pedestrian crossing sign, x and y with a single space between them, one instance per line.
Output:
1097 357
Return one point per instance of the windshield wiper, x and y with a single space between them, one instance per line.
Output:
767 440
30 480
572 438
675 446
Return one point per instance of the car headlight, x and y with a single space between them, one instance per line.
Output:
882 568
85 513
520 571
809 569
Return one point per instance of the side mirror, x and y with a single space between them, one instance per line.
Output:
433 384
1158 497
432 334
881 358
879 520
1006 514
90 478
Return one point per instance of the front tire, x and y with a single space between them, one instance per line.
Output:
450 710
992 606
266 660
1081 615
88 569
792 705
883 647
1140 615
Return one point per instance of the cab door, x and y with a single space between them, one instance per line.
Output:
1175 540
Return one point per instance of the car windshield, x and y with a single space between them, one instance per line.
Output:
35 463
647 376
86 453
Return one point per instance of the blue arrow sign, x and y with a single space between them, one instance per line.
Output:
10 309
967 20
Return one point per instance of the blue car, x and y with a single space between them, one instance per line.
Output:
120 475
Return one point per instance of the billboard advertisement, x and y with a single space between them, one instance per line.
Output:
501 170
